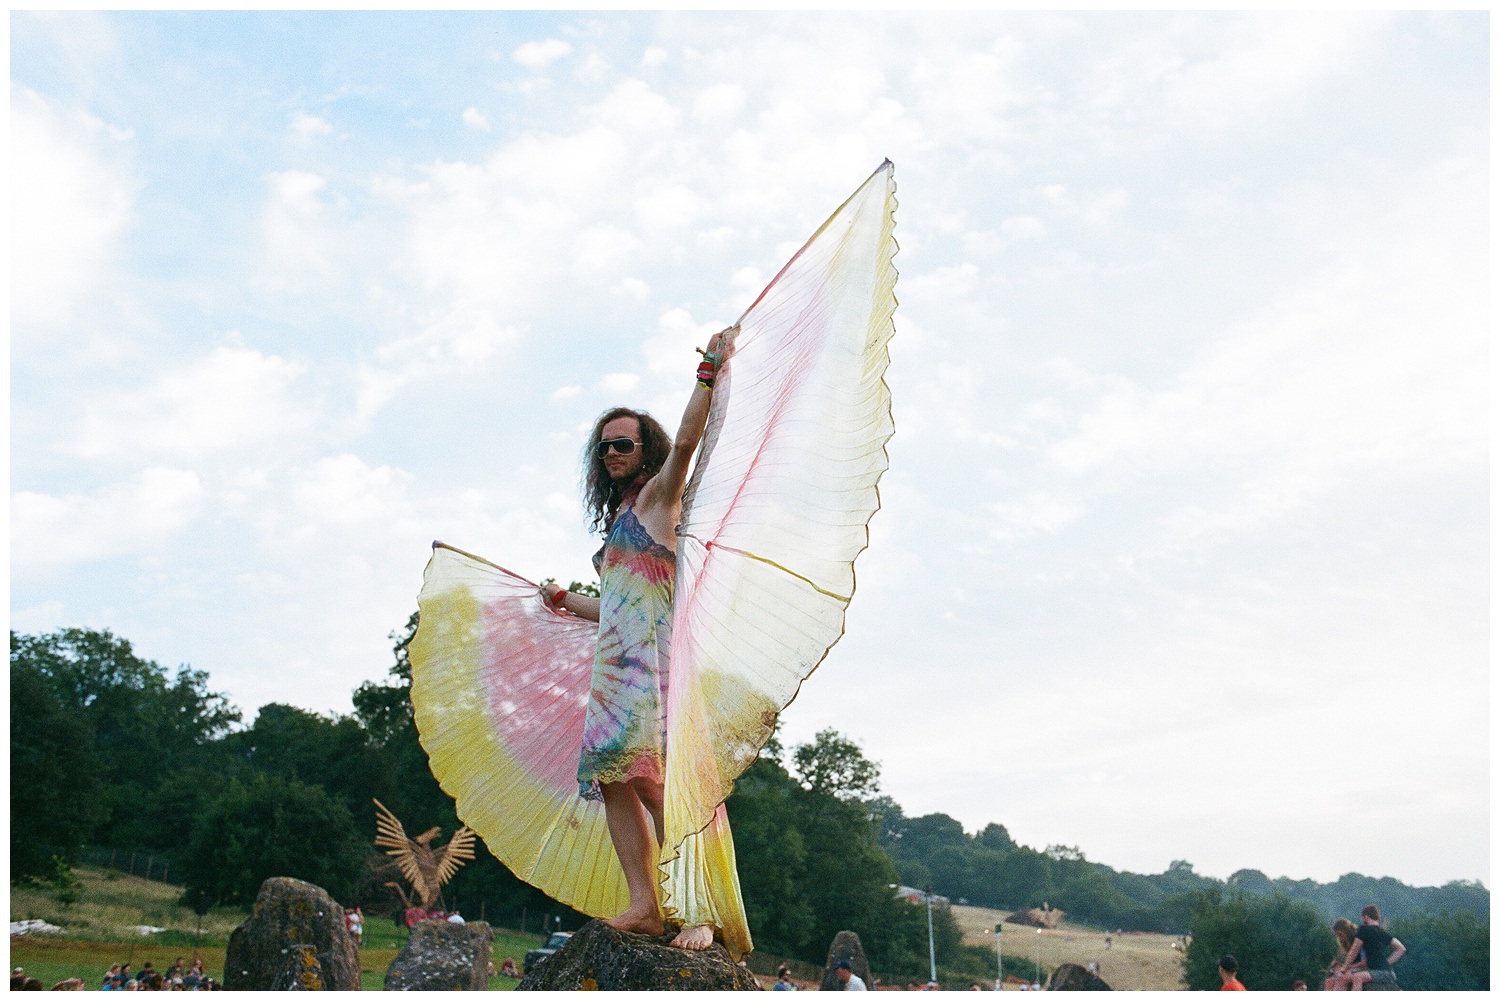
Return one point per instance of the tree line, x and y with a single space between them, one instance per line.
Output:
110 749
989 869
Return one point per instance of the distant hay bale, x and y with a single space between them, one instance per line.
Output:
1037 917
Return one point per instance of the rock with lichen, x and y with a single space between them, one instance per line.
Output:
295 934
302 971
601 958
442 956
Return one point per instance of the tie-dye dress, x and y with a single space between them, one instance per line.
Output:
625 725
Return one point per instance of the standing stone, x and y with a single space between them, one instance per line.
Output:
1072 977
440 956
599 958
290 916
846 947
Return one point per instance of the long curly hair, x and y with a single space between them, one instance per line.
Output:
1346 932
601 496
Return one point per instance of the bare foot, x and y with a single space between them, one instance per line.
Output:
642 922
696 939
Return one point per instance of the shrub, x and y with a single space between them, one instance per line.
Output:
1444 952
1274 939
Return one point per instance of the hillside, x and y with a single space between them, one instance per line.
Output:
1133 961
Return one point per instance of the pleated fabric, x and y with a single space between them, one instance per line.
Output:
774 515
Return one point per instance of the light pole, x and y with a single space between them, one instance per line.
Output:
931 948
1037 980
999 960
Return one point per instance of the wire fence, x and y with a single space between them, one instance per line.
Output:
133 862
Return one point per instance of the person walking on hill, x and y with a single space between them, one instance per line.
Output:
1380 949
1229 973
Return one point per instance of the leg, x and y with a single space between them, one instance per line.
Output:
650 794
630 830
1358 979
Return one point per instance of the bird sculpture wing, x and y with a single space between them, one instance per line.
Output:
392 836
458 850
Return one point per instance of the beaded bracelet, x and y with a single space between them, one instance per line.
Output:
708 368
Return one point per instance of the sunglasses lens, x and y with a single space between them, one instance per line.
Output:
622 445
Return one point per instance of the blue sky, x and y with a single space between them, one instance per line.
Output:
1183 551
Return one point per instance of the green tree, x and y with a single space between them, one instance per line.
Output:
53 774
834 765
334 752
272 826
772 859
1444 952
1275 939
144 723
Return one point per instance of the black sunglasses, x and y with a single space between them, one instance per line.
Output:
622 445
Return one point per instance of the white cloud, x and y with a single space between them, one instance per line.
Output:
619 382
540 55
124 518
232 400
633 106
634 288
307 126
1094 210
71 200
564 393
474 119
654 56
718 103
670 351
299 233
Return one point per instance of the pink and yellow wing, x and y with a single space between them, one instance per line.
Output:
780 500
500 683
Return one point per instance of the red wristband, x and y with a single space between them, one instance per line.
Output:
558 597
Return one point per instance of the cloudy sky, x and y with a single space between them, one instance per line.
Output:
1183 551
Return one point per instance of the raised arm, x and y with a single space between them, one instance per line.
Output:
665 489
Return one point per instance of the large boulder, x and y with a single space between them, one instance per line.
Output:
1072 977
289 918
846 947
599 958
440 956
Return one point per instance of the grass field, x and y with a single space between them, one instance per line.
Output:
101 929
1134 961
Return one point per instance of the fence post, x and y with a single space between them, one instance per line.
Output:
132 863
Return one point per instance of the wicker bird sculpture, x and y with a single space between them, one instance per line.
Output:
425 869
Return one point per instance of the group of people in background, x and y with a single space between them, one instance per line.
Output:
174 978
119 978
1366 953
